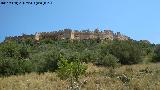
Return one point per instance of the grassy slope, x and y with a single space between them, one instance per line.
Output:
134 77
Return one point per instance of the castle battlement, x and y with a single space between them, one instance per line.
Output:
72 35
80 35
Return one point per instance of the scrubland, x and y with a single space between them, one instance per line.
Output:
126 77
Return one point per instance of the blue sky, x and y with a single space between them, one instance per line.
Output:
139 19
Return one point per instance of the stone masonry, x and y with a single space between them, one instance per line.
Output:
80 35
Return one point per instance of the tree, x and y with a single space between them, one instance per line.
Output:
127 52
9 50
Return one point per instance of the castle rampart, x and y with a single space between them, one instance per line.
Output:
73 35
81 35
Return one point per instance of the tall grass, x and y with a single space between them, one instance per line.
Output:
133 77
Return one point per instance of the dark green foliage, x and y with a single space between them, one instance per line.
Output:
148 49
14 50
47 41
9 66
71 56
28 55
87 56
24 52
9 50
126 51
109 61
156 57
46 61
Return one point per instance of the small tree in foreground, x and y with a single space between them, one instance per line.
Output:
71 71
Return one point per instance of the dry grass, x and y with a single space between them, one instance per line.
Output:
134 77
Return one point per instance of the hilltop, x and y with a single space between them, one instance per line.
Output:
67 61
73 35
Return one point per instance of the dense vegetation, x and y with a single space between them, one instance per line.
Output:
20 57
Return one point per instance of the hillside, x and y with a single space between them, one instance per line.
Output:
61 64
145 77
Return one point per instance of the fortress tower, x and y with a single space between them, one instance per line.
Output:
68 34
37 36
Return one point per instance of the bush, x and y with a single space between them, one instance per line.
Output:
127 52
23 52
87 56
14 50
9 66
46 61
109 61
70 70
9 50
26 56
71 56
156 56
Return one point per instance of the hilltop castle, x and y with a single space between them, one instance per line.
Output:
80 35
72 35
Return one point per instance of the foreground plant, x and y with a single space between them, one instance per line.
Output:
71 71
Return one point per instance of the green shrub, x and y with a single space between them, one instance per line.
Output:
10 50
14 50
70 70
156 56
45 61
109 61
128 52
87 56
23 52
9 66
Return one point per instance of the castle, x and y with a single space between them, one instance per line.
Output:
73 35
80 35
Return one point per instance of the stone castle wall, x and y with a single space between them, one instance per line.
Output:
72 35
80 35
